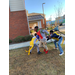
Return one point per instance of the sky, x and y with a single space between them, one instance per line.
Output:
35 6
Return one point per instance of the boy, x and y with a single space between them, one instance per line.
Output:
33 42
57 39
41 34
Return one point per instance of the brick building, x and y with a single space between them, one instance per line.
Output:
36 19
19 20
18 24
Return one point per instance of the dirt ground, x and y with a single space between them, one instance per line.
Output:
44 64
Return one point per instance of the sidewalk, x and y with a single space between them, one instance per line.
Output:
25 44
20 45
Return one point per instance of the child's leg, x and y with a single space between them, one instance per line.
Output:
45 46
35 45
31 49
55 43
40 44
59 42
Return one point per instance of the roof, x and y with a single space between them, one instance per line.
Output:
31 14
35 17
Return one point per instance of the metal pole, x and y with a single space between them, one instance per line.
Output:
43 13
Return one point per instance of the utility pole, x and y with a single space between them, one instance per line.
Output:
51 19
43 14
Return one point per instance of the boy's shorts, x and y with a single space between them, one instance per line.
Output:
43 44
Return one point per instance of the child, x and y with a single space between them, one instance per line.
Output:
41 34
36 37
57 39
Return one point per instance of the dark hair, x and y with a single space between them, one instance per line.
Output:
35 34
51 31
36 27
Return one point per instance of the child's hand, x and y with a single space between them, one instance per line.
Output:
46 36
49 37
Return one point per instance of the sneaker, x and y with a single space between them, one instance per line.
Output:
39 52
46 52
61 53
56 48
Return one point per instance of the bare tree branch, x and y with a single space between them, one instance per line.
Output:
58 10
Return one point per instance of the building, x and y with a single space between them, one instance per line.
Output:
62 17
18 23
57 21
36 19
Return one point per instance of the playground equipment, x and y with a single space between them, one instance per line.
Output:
31 45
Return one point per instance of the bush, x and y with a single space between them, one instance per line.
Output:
51 28
22 38
10 41
19 39
48 28
28 37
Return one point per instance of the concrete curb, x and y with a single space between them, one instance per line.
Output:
25 44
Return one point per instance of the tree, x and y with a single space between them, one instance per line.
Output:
58 12
50 20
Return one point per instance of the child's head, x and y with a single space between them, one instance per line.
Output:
51 31
36 28
35 34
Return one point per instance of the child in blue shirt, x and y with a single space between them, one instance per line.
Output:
58 39
36 37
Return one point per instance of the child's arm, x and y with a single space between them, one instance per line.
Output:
45 31
54 35
35 40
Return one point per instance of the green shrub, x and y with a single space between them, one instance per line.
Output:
28 37
19 39
10 41
22 38
48 28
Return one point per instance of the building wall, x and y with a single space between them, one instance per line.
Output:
18 25
43 26
32 25
16 5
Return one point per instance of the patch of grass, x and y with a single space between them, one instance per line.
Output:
63 32
44 64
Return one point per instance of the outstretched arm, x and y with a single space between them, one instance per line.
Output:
45 31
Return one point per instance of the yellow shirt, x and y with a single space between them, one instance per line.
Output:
33 41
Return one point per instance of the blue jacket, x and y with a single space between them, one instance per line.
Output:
56 36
